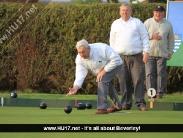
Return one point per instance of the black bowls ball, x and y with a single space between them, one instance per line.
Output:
13 95
68 109
43 105
81 106
88 105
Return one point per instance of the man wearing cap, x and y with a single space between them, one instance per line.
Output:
104 63
161 38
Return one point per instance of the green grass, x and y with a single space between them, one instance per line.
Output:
91 135
33 115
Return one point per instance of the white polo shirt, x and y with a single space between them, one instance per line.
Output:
130 37
102 56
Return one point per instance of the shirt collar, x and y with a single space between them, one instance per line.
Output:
160 21
127 20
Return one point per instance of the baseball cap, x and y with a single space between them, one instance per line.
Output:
159 8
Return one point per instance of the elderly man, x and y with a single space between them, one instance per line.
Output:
104 63
129 38
161 38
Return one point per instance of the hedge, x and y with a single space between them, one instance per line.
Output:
39 50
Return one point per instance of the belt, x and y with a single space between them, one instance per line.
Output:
131 55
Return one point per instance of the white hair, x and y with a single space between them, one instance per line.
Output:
125 4
82 42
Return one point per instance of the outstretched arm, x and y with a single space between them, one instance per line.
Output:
73 90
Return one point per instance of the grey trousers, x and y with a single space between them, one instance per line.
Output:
132 77
106 87
156 74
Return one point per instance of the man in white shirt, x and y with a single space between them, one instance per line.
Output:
129 38
104 63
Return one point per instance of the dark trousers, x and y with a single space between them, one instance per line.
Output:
131 77
156 74
106 87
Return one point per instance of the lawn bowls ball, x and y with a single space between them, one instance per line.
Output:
81 106
13 95
43 105
68 109
88 105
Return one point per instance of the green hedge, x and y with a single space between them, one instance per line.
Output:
40 54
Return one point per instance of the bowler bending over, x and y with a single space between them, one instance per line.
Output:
104 63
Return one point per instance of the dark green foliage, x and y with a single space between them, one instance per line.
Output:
42 56
86 1
174 81
158 1
112 1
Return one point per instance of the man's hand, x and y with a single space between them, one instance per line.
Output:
73 90
100 75
145 57
169 56
156 36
